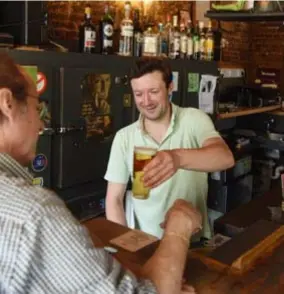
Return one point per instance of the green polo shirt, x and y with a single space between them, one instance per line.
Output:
189 128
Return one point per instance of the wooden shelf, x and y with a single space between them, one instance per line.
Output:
244 16
277 112
248 111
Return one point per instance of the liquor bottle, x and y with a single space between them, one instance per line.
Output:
189 54
209 43
183 41
126 33
168 29
87 33
174 52
202 41
106 32
163 48
196 43
150 42
138 35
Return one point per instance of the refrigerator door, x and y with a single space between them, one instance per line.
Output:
40 167
93 104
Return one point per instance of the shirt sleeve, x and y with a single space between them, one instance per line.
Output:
66 261
203 127
117 170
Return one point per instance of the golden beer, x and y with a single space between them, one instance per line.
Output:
142 155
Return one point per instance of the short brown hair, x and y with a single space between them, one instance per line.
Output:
146 65
12 78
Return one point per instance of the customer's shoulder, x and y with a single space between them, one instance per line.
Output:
21 200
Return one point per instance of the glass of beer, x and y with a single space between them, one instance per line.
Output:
142 155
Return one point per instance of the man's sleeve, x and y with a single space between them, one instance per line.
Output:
66 260
203 127
117 169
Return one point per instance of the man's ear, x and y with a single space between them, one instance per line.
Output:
171 87
7 103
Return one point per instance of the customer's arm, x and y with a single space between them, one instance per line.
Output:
64 259
114 203
166 267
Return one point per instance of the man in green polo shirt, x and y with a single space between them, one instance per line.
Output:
188 148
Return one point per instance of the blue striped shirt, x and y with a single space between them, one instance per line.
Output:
43 249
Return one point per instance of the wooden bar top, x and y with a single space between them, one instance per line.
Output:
266 277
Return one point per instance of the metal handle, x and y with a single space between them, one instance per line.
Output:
47 131
64 130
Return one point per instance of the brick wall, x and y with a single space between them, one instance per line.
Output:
66 16
253 45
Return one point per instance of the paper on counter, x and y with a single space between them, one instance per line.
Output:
134 240
206 93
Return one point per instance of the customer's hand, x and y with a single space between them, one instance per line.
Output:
186 212
163 166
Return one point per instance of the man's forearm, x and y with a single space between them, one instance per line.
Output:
165 269
207 159
115 212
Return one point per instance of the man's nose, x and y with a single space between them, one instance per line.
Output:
146 99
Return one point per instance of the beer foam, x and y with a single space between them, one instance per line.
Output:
145 151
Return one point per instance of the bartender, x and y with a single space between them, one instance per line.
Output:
188 148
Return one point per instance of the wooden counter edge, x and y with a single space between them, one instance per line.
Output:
248 259
248 111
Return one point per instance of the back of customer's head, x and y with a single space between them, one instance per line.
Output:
11 78
146 65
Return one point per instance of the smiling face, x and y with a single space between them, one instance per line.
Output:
151 95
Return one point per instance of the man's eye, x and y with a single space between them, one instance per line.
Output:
138 94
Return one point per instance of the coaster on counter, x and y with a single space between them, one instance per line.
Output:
133 240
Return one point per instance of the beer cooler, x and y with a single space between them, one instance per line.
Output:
86 98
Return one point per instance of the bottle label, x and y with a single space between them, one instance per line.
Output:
107 43
183 44
196 46
202 45
209 45
90 39
189 46
138 37
176 44
108 30
150 45
127 31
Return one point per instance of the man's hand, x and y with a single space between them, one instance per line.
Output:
184 209
160 168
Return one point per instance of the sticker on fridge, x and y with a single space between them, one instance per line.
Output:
38 181
206 93
41 83
175 80
39 163
193 82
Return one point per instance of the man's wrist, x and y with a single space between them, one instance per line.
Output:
179 224
178 155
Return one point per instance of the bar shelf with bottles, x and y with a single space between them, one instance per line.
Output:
173 39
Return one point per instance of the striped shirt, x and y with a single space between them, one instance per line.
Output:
43 249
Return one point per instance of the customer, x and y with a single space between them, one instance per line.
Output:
188 145
43 249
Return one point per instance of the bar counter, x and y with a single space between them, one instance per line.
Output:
266 277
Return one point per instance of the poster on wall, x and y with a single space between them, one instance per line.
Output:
95 107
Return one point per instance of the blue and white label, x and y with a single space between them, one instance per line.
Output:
39 163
